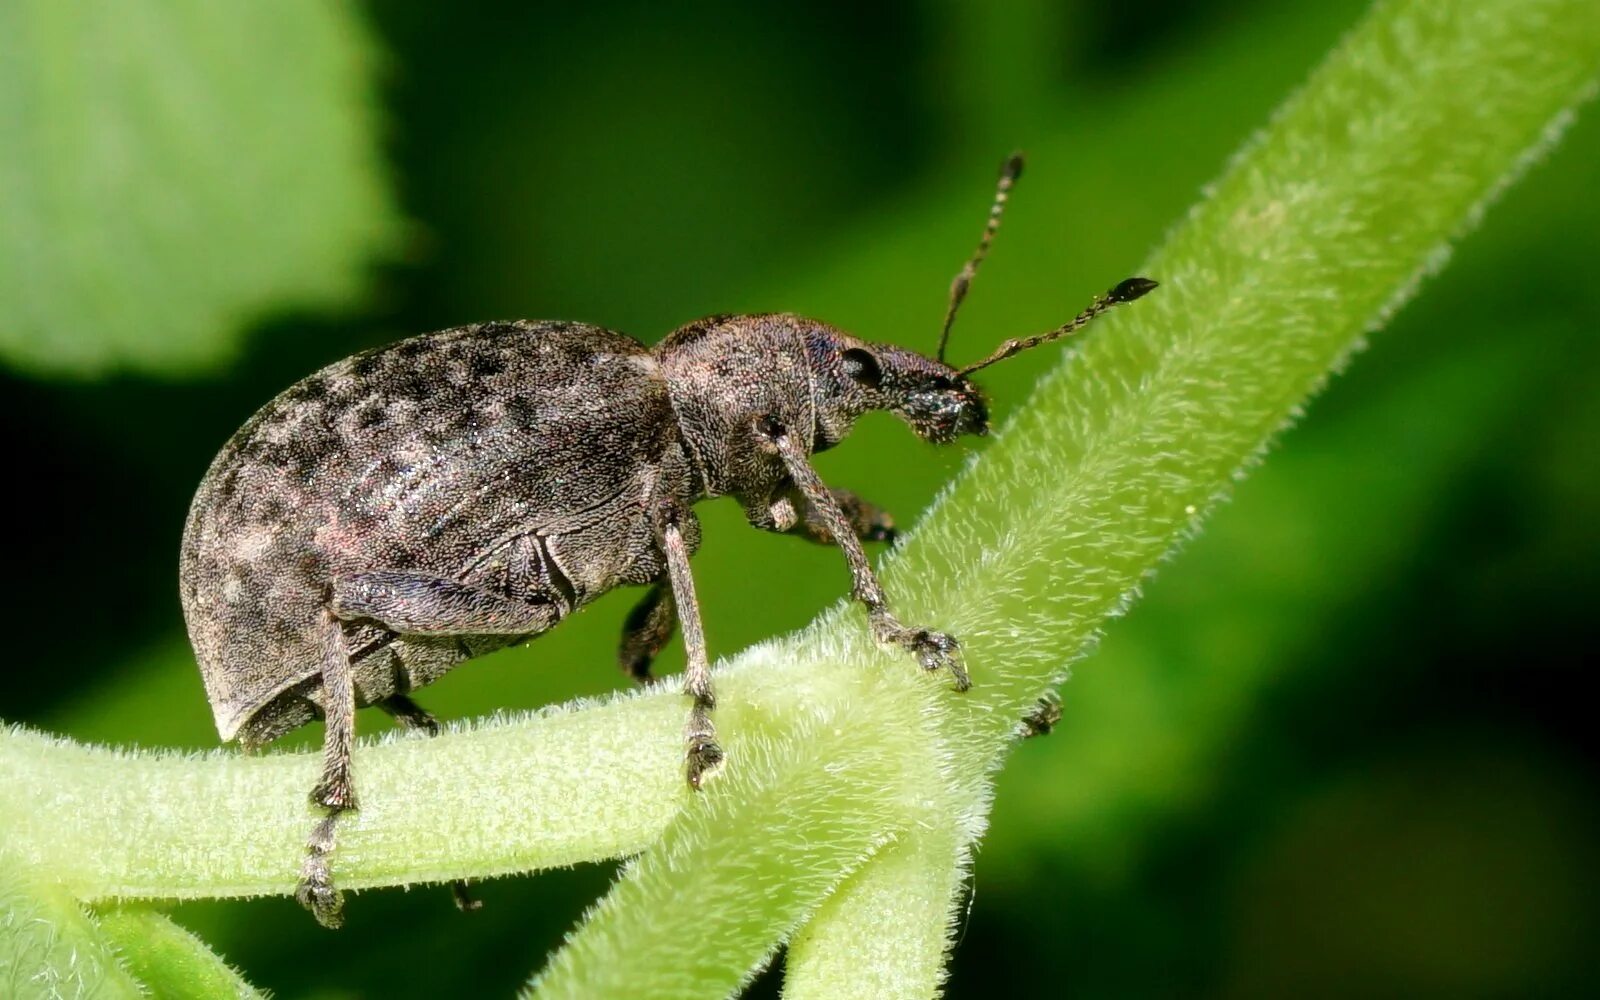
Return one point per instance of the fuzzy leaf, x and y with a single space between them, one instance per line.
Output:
173 172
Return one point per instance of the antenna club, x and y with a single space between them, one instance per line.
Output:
1130 289
1012 168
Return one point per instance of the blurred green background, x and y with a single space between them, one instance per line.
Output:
1339 748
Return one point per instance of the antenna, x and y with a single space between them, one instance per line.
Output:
1010 170
1126 291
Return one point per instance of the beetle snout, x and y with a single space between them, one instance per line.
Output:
974 415
944 412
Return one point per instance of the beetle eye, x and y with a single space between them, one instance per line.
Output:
862 367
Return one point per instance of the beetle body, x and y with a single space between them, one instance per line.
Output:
417 505
525 458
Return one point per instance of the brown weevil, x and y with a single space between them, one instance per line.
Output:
424 503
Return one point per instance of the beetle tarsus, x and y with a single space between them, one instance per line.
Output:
465 902
702 755
315 891
703 758
1044 717
933 650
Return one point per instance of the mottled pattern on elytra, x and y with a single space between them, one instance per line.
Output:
512 454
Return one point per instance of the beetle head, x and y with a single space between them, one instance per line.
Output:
851 376
941 403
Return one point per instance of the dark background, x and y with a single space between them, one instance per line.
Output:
1340 748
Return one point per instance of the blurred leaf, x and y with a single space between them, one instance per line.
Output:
172 172
1451 870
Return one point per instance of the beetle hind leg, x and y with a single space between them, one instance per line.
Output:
335 792
410 715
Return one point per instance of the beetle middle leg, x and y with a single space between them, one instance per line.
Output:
934 650
792 514
410 715
647 630
702 753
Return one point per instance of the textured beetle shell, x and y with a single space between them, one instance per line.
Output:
524 457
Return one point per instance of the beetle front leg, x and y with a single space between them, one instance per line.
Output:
792 514
702 754
934 650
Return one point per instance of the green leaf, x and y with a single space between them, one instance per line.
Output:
172 172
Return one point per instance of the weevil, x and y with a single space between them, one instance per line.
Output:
421 504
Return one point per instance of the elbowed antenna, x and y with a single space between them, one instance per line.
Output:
1126 291
1010 170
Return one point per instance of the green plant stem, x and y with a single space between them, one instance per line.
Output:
560 787
49 947
847 948
838 752
780 853
167 960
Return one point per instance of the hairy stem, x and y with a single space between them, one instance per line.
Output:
50 947
878 934
167 960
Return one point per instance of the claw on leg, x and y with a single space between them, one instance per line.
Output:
1043 718
933 650
464 899
700 737
315 891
